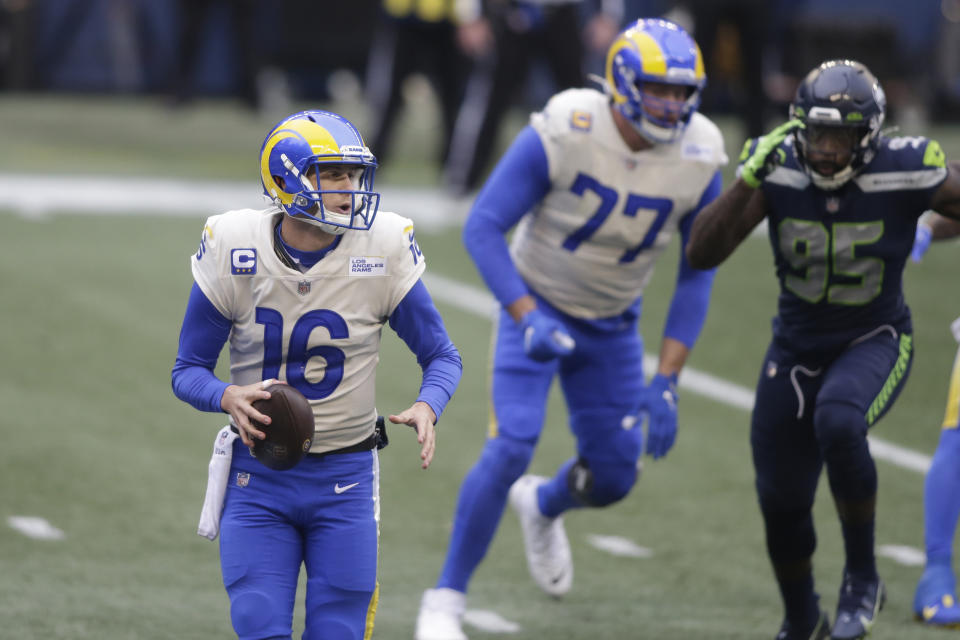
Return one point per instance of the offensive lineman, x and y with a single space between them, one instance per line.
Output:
302 291
842 203
599 183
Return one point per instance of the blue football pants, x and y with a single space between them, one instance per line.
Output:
324 513
601 382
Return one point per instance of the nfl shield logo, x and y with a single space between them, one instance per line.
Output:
243 479
303 287
833 205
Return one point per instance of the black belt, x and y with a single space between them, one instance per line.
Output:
366 444
376 440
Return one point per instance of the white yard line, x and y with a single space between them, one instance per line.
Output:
34 527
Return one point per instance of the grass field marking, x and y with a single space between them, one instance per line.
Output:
36 528
479 302
619 546
489 621
31 197
903 554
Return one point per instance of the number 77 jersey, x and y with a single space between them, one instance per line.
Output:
840 254
590 245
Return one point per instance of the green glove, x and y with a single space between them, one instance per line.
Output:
767 155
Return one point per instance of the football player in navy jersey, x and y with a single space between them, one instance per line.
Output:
935 599
841 203
596 186
302 290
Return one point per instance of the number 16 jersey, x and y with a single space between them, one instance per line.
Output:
318 330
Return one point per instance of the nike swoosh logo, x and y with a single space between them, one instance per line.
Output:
338 489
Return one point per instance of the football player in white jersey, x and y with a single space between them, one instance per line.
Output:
599 182
301 291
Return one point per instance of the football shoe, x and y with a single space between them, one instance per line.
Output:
820 631
545 540
935 602
441 611
857 608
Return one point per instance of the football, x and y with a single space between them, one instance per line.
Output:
290 433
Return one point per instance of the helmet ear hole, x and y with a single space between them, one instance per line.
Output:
280 182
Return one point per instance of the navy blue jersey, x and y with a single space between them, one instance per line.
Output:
840 254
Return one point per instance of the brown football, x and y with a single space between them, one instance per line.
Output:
290 432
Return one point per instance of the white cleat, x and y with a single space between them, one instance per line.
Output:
441 611
547 547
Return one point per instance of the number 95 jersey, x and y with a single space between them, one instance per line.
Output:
840 254
318 330
589 247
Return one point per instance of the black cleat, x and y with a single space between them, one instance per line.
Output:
820 631
860 602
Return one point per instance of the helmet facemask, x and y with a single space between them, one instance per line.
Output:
321 206
660 120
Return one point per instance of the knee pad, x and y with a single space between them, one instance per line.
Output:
838 425
251 613
506 458
842 434
608 483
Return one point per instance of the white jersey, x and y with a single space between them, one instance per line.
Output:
589 246
318 330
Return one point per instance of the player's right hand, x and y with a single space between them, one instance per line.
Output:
238 402
767 155
545 338
921 242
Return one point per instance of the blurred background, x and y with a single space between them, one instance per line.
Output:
125 123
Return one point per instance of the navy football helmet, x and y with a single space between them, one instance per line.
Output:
654 50
307 142
839 101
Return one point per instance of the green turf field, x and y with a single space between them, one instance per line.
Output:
95 443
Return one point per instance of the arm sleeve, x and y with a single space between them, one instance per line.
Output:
688 309
418 323
203 334
518 182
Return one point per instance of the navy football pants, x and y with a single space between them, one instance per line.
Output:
811 411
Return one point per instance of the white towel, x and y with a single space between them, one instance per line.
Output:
217 476
955 329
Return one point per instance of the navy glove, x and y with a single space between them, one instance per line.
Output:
545 338
921 242
660 403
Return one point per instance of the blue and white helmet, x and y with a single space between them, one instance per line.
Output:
312 139
654 50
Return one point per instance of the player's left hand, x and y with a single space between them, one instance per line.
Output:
659 401
921 242
422 418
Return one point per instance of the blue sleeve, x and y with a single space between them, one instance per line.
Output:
418 323
688 309
519 181
202 336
